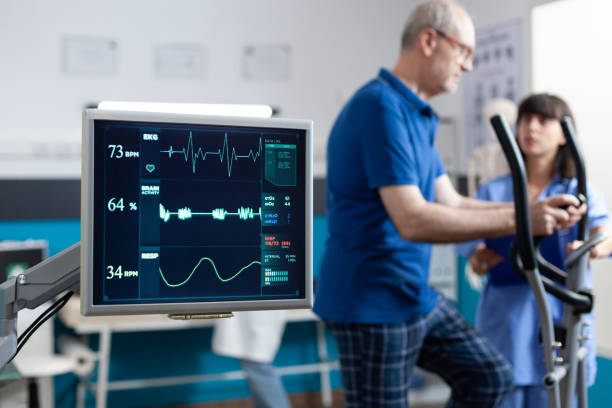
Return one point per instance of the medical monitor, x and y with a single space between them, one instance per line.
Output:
195 214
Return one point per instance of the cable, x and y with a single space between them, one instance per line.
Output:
36 323
53 309
40 320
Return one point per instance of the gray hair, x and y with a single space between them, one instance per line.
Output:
437 14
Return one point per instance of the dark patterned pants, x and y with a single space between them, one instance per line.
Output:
377 360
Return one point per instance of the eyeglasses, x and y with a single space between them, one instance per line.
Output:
465 51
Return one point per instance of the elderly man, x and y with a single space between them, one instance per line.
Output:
388 199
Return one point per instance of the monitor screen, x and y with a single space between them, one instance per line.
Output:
185 213
17 256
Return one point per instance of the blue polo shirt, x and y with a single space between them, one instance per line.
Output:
369 274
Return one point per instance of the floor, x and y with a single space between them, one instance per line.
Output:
304 400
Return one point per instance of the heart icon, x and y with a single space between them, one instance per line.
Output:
150 167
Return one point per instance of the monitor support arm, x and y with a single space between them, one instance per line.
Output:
32 288
42 282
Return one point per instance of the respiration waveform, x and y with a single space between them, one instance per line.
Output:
190 153
185 213
212 263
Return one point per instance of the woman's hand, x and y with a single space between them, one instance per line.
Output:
483 259
601 250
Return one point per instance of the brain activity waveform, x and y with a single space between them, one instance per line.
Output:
185 213
190 153
212 263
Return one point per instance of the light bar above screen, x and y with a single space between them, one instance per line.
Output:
195 214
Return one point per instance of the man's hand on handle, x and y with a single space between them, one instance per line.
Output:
555 213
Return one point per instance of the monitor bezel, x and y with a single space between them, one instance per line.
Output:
88 308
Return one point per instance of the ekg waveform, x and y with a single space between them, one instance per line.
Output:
190 153
212 263
185 213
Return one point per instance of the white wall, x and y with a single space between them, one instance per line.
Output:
337 45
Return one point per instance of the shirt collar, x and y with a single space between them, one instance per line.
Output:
552 188
408 95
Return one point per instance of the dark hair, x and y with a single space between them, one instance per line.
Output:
553 107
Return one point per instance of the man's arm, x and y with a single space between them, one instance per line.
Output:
417 219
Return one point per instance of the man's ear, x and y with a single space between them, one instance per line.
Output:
428 41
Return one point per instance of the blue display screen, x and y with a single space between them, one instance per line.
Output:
198 213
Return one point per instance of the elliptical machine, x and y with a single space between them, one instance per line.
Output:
564 349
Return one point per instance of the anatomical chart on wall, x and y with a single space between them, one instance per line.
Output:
497 71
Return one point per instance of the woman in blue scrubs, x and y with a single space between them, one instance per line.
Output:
507 312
